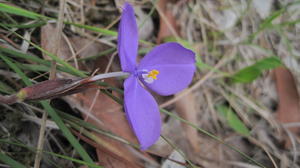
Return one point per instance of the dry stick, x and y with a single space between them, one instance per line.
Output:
38 156
72 51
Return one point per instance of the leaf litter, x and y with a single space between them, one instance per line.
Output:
217 27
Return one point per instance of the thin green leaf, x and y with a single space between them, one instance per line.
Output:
252 72
26 56
58 60
5 88
52 113
66 132
50 153
267 23
69 118
233 120
18 11
11 162
14 67
33 67
26 26
33 15
212 136
54 57
102 31
95 29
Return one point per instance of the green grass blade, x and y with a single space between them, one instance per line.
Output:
94 29
267 23
33 15
58 60
5 88
14 67
11 162
102 31
233 120
50 153
212 136
66 132
26 56
52 113
33 67
26 26
54 57
74 120
18 11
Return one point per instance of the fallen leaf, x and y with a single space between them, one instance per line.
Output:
288 100
48 42
167 21
107 114
112 119
186 108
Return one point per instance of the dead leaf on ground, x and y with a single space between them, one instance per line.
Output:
113 119
107 111
186 108
288 106
165 28
48 42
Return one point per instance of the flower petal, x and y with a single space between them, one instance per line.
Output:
176 66
128 39
142 112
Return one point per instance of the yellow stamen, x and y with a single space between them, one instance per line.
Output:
152 74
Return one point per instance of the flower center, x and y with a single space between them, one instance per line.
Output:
149 77
153 74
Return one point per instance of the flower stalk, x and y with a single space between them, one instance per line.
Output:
57 87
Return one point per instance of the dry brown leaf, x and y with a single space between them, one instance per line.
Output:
48 42
111 153
108 158
164 28
113 119
186 108
288 106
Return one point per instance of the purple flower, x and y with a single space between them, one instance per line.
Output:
166 69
